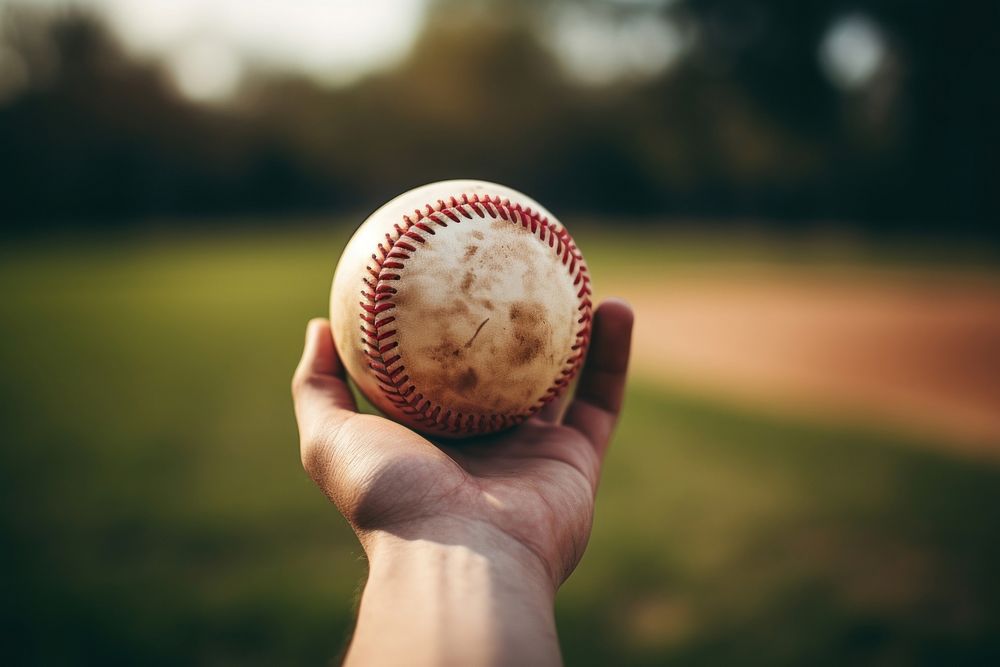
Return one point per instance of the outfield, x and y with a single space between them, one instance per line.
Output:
154 510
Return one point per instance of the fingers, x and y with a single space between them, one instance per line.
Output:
599 394
319 355
553 410
322 397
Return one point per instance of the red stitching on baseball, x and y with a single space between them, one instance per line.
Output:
390 258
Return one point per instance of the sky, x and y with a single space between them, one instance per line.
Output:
208 45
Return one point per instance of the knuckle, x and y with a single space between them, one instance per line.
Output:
313 457
307 454
319 443
301 381
297 382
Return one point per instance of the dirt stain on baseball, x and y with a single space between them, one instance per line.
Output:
530 331
470 251
467 280
467 380
527 312
446 352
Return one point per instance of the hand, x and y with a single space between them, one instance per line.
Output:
522 500
534 484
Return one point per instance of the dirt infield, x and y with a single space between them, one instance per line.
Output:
919 354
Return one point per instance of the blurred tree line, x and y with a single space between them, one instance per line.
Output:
745 125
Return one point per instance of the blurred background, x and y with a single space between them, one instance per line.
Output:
799 199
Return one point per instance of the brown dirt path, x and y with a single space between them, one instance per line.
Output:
918 354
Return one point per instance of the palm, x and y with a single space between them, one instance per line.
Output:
534 483
537 485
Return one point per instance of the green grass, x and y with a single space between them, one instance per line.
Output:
623 250
153 510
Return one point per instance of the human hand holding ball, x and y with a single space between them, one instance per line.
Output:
462 309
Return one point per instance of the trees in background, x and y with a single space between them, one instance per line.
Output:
744 124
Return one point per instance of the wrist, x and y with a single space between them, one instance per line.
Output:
454 592
454 544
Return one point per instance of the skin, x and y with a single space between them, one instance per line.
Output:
467 542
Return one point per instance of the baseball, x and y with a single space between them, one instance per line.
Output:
461 308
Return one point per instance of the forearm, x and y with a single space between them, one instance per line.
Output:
459 594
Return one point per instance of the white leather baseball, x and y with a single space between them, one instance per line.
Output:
461 308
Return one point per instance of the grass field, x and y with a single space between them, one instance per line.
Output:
153 510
